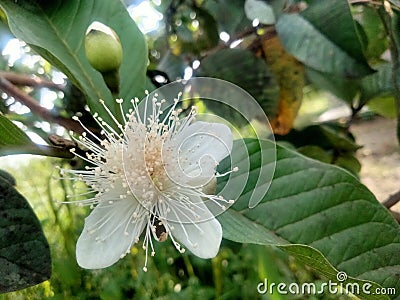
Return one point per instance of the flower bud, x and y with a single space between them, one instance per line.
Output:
103 47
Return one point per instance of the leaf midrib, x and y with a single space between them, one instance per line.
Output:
72 53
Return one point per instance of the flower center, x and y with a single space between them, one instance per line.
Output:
153 155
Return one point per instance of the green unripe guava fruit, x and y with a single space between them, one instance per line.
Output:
103 48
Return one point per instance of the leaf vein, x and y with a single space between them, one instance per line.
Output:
71 52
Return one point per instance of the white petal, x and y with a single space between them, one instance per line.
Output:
108 233
201 147
205 139
203 237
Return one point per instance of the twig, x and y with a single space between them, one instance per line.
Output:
396 215
7 87
392 200
268 31
255 45
24 80
355 109
244 33
240 35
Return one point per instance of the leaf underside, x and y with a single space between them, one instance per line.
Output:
62 26
321 46
24 251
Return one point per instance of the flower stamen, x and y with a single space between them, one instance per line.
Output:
145 173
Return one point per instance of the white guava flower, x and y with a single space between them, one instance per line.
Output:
154 177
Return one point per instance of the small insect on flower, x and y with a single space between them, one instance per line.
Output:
152 177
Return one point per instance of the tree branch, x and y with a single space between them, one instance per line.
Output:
396 215
7 87
240 35
392 200
26 80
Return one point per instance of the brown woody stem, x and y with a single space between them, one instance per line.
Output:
27 80
7 87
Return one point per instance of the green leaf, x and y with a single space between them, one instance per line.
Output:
228 64
345 89
349 162
327 136
8 177
377 84
238 228
374 30
278 7
315 259
24 251
316 152
56 30
344 33
395 3
316 50
10 134
384 106
329 143
234 21
256 9
14 141
314 204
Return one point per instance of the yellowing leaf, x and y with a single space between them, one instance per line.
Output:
289 73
